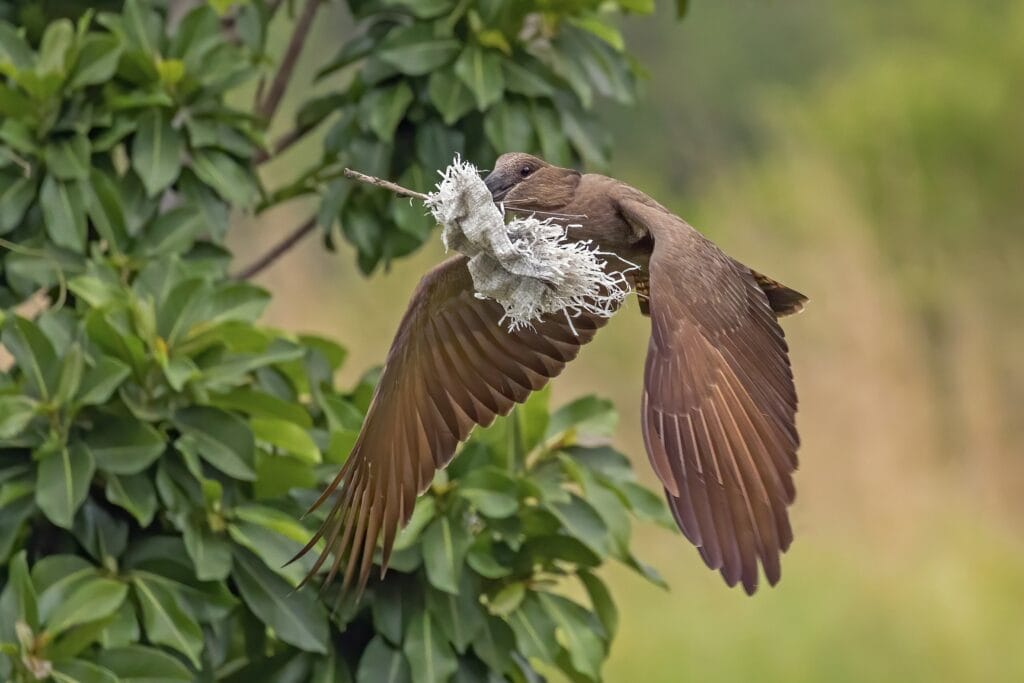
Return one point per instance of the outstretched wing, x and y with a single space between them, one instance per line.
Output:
452 365
719 404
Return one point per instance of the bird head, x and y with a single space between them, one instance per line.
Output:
523 182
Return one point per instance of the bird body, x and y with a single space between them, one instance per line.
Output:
718 407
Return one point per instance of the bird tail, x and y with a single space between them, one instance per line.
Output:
783 300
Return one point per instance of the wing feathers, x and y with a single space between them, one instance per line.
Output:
719 403
452 366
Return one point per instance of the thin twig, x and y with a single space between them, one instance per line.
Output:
281 144
294 237
385 184
277 251
274 96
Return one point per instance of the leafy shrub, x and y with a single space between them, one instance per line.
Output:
158 446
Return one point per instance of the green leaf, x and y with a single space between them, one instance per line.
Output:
230 179
534 630
460 617
575 632
124 445
436 145
165 618
64 213
15 198
449 95
54 47
101 381
13 47
590 415
142 26
383 108
507 126
33 354
416 51
423 9
430 656
62 483
508 599
81 671
287 436
140 664
103 205
602 601
276 475
97 61
382 663
298 619
134 493
495 644
422 514
480 70
222 439
156 151
69 159
210 552
491 491
18 600
172 232
15 414
444 552
524 81
70 377
259 404
94 599
582 521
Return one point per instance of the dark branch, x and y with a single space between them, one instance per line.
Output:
274 96
277 251
282 144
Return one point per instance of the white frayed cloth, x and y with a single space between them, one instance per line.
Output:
528 265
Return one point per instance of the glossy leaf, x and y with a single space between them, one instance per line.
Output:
124 445
156 151
165 618
298 618
381 663
63 482
428 651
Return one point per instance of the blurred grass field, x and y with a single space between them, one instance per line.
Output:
871 156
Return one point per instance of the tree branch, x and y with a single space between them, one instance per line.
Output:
281 144
295 236
270 103
277 251
386 184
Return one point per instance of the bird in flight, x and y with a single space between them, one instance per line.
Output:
718 408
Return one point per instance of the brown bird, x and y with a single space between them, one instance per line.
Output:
718 405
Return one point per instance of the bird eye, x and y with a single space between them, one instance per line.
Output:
525 171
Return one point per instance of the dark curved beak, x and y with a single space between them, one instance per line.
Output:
497 186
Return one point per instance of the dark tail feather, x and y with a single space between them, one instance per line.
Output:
783 300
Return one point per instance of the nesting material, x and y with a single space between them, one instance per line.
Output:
528 265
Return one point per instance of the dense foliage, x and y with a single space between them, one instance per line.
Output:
158 446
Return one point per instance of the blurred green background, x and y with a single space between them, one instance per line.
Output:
871 155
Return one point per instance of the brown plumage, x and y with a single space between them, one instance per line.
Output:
718 407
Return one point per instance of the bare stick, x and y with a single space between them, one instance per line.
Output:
277 251
291 57
385 184
294 237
